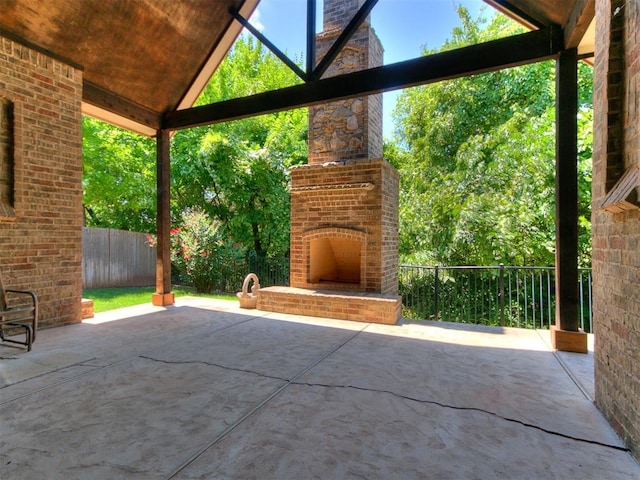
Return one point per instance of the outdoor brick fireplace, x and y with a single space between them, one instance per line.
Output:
344 226
344 202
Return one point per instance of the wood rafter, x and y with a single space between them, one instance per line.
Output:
112 103
581 16
342 40
313 72
269 44
485 57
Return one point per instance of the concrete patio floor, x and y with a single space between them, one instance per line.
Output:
205 390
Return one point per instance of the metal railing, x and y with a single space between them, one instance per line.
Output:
515 296
512 296
271 271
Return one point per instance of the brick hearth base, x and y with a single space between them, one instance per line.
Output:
356 306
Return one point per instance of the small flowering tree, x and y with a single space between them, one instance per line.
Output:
200 252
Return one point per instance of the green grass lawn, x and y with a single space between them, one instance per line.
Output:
105 299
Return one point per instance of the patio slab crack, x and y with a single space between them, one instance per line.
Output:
259 406
213 364
469 409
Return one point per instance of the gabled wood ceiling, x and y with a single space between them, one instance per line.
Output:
139 57
142 59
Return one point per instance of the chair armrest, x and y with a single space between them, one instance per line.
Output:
34 319
34 298
25 292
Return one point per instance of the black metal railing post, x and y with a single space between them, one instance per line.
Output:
501 294
435 293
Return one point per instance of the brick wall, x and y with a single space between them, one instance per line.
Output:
389 228
338 13
41 237
616 236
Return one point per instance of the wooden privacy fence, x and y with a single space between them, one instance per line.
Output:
116 258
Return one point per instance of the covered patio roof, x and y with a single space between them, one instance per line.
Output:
206 390
139 58
144 60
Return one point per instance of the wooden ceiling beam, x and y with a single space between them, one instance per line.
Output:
577 24
269 44
485 57
311 35
119 106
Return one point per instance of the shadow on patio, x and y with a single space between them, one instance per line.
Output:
206 390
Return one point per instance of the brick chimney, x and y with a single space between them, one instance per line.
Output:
344 203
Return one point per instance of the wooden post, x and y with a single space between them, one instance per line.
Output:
163 295
566 335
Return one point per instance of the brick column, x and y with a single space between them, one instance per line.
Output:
616 235
41 180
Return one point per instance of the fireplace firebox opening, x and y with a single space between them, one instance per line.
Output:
334 260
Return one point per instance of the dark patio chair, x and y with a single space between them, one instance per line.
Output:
18 310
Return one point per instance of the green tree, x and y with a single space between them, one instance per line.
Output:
238 171
118 178
477 162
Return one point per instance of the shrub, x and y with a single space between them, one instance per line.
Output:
201 254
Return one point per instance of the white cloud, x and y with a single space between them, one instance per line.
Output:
255 20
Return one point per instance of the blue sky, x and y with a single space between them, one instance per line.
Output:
404 27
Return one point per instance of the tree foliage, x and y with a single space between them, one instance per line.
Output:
477 162
476 156
201 253
118 178
238 171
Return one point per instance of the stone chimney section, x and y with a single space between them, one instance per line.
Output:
349 129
